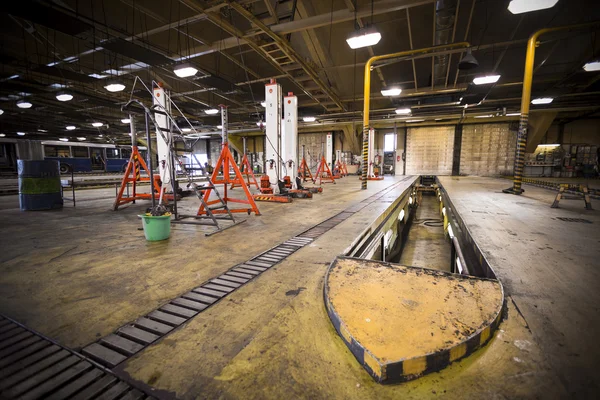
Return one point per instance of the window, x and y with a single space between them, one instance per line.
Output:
389 142
56 151
81 152
125 153
112 153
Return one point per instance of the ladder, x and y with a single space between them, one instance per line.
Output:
198 189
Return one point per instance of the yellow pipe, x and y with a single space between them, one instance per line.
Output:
367 91
532 43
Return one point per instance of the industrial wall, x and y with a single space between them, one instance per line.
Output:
487 150
314 144
429 150
582 131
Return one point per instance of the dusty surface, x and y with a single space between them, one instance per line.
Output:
79 273
402 312
426 244
548 266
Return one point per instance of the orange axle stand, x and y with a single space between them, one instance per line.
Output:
324 172
225 162
247 170
132 174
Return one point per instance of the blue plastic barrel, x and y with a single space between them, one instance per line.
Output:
39 185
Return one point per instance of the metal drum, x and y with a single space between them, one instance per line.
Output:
39 185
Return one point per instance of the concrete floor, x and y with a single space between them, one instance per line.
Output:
78 274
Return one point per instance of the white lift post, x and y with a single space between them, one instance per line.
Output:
289 141
329 150
273 132
160 98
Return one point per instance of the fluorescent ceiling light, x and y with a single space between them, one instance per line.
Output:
186 129
484 116
219 126
309 119
97 124
125 120
542 100
42 130
97 76
592 66
438 119
2 134
21 133
71 128
212 111
100 135
391 92
513 114
548 145
63 139
1 111
185 70
24 104
484 80
403 111
363 37
81 138
205 137
114 87
62 96
523 6
414 120
263 103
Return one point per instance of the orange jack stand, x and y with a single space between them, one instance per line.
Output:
225 162
132 174
304 171
341 167
247 170
324 172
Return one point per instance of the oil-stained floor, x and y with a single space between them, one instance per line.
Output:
426 245
78 274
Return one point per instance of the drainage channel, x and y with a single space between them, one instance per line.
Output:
34 367
134 337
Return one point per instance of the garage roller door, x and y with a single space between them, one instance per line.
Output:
487 150
429 150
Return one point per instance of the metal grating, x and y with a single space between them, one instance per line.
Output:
586 221
33 367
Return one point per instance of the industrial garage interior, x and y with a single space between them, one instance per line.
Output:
299 199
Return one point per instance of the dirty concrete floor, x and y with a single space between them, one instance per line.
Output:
426 245
77 274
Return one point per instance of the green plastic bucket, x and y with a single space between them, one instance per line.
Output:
156 228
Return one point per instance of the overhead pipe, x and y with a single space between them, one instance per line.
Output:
367 91
532 43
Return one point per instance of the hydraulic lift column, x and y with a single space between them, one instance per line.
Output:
162 104
273 132
289 135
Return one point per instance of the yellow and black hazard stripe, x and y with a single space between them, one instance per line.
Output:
136 165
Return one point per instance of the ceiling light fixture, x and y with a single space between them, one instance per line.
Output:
523 6
24 104
363 37
81 138
542 100
403 111
263 103
186 129
100 135
513 114
2 134
71 128
309 119
205 137
259 123
468 61
63 96
125 120
410 121
21 133
219 126
391 92
97 124
592 66
63 139
211 111
485 80
483 116
1 111
185 70
114 86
